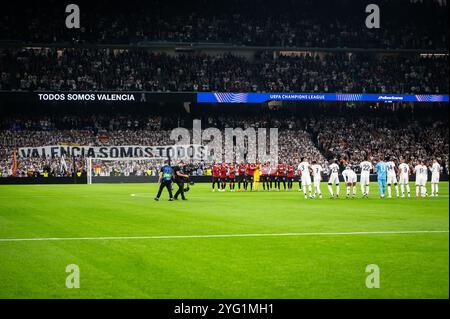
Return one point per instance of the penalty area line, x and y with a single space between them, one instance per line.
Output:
394 232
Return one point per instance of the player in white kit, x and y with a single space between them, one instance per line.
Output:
435 172
350 179
421 172
334 178
305 170
317 178
364 180
391 178
405 171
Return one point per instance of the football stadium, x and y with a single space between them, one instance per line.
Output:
237 150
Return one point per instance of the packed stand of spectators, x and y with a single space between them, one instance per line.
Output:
352 141
349 139
310 23
125 130
137 70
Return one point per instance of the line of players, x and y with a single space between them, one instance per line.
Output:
251 175
274 176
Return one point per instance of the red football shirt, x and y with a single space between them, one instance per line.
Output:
281 170
223 171
241 169
231 171
250 169
216 170
273 170
290 171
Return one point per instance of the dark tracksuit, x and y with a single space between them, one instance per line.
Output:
180 183
166 181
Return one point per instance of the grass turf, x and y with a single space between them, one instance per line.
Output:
332 266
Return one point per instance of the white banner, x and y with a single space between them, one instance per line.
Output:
180 152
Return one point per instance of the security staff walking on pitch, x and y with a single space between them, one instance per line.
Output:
165 180
180 178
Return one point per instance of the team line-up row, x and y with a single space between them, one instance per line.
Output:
273 176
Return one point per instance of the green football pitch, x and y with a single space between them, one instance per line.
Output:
219 245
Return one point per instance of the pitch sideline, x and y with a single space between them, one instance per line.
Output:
400 232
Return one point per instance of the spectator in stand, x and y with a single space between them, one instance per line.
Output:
140 69
324 23
320 138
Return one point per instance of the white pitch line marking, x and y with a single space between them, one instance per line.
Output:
400 232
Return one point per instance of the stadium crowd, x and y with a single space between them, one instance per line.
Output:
355 140
325 23
137 69
321 138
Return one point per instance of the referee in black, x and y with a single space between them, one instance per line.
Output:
179 178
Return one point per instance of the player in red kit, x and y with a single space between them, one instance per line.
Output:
265 172
281 175
223 176
290 176
215 176
231 176
273 176
241 175
249 170
247 176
